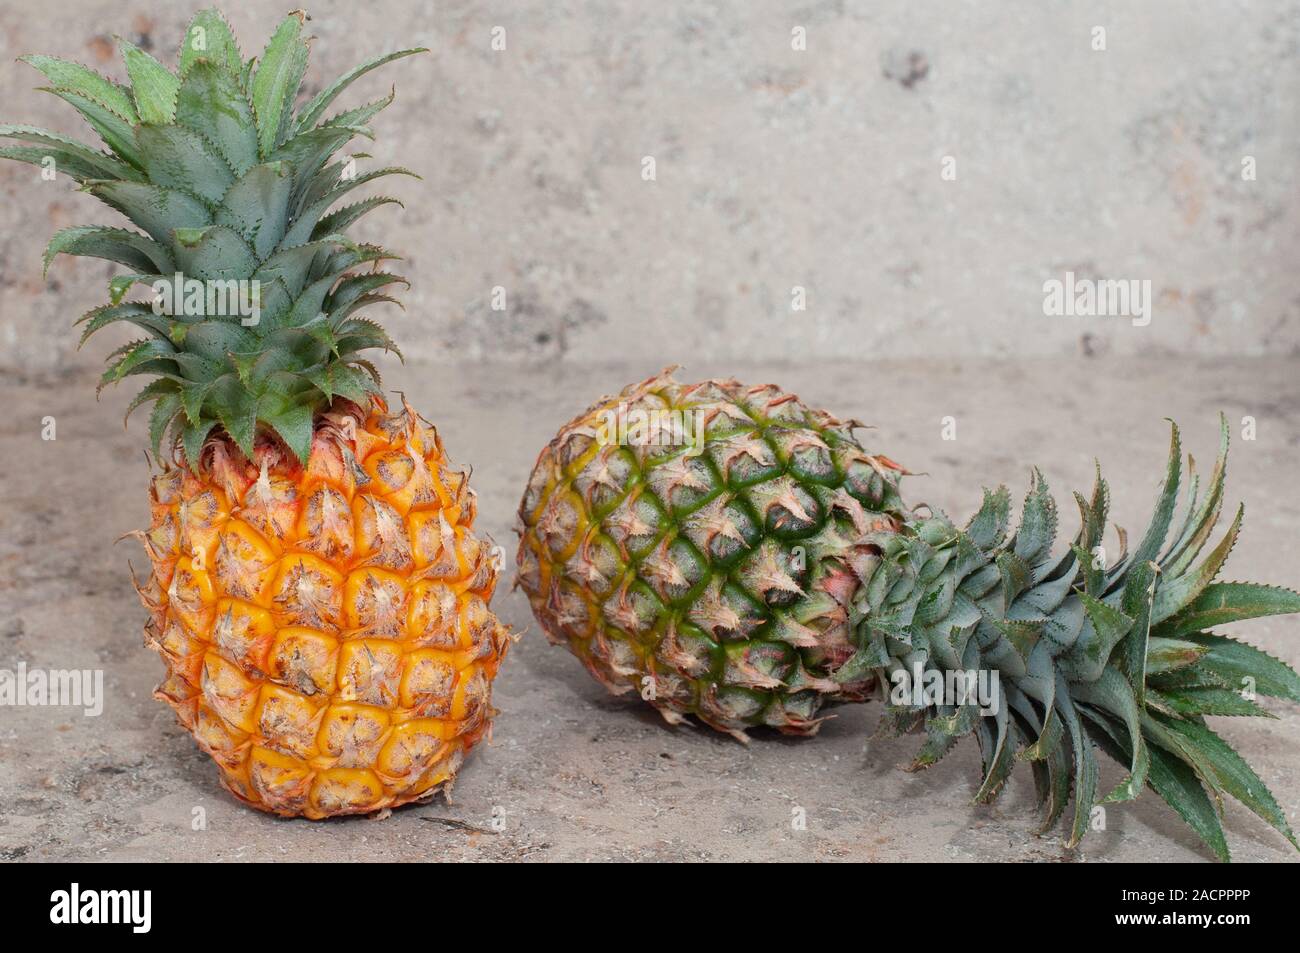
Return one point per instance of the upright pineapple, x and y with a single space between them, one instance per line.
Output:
733 555
316 591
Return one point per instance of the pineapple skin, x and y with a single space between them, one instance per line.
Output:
718 585
326 628
767 566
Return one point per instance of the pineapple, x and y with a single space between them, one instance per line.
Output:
732 555
316 589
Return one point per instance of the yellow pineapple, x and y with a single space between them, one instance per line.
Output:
326 628
316 589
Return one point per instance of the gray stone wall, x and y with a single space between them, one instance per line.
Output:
775 168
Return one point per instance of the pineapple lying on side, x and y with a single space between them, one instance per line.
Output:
316 592
752 570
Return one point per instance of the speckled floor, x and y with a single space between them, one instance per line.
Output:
576 774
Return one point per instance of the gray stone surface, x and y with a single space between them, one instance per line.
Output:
578 774
775 168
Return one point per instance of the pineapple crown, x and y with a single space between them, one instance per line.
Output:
253 327
1122 656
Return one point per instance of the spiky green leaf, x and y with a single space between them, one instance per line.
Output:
1223 602
118 134
1154 538
1178 785
1200 523
346 216
141 315
312 111
1245 667
362 115
1167 655
215 253
276 81
1210 754
293 423
257 206
113 244
1037 523
154 208
164 413
73 77
1136 601
1091 652
153 85
133 356
151 391
212 105
179 158
988 526
210 38
192 440
1112 693
1205 700
307 152
1180 592
72 157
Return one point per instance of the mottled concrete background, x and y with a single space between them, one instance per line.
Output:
775 168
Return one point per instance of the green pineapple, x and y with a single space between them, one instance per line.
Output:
753 575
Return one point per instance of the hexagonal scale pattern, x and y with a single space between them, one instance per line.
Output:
326 628
715 576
